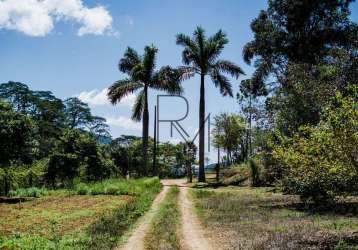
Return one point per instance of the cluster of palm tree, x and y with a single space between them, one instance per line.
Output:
200 56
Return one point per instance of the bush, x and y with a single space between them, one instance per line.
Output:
255 173
236 175
105 232
117 186
322 160
23 176
28 192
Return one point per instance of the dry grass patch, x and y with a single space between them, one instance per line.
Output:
255 218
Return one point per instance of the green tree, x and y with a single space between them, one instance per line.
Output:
189 155
229 133
121 153
18 94
200 55
321 161
77 113
98 127
142 75
248 100
295 31
64 163
49 116
77 154
16 136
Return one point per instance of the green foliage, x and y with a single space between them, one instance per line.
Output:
295 31
28 192
78 115
236 175
255 173
229 133
123 151
115 187
105 232
16 136
143 75
23 176
322 161
200 56
78 154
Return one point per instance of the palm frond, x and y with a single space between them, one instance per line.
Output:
149 60
186 41
222 82
215 44
199 36
129 61
258 78
138 107
219 37
191 50
168 79
228 67
122 88
186 72
188 56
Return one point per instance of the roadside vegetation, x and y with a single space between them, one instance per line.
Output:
257 218
65 220
164 231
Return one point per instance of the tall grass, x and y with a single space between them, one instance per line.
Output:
115 187
108 230
28 192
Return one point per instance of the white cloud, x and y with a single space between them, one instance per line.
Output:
37 17
96 97
124 122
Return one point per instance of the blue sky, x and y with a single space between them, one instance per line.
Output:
72 48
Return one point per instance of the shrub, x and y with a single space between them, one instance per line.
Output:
255 173
322 160
23 176
82 189
117 186
28 192
236 175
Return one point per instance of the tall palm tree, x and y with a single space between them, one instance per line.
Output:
142 76
200 56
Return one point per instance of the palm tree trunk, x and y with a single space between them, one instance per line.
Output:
201 129
145 132
155 169
250 130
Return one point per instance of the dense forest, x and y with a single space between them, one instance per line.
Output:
46 141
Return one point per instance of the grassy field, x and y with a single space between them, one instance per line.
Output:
91 216
255 218
163 234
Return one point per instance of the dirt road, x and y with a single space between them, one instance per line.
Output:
136 240
192 233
